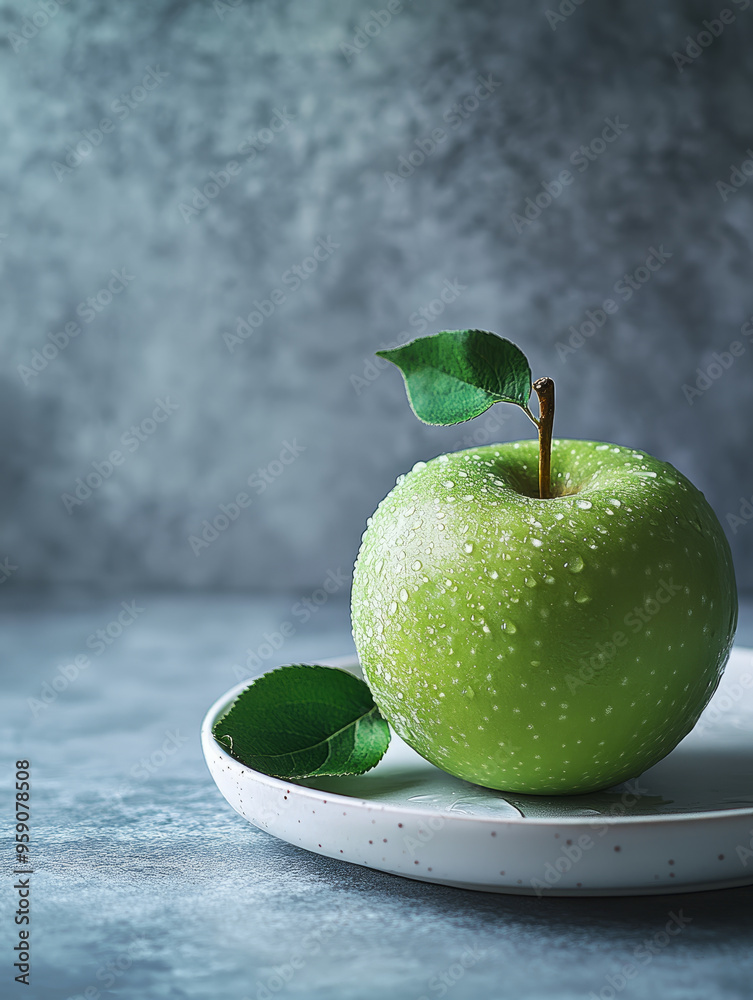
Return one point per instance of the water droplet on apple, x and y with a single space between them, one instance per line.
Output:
536 542
408 511
510 627
584 504
493 574
468 547
530 581
417 564
448 484
393 607
469 692
378 567
575 565
581 597
403 595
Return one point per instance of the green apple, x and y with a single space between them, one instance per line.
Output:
554 644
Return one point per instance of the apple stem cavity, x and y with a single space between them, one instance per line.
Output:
545 391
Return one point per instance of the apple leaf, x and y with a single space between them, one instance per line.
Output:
304 720
457 374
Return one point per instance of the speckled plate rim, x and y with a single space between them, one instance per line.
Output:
350 663
664 854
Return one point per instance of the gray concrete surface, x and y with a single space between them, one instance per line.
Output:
317 126
146 883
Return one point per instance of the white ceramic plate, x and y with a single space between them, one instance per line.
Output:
684 825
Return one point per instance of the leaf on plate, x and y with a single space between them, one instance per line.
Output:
302 721
457 374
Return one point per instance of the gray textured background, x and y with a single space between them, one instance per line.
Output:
323 176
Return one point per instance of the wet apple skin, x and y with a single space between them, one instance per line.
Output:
544 646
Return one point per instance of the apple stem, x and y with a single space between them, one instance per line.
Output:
545 391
